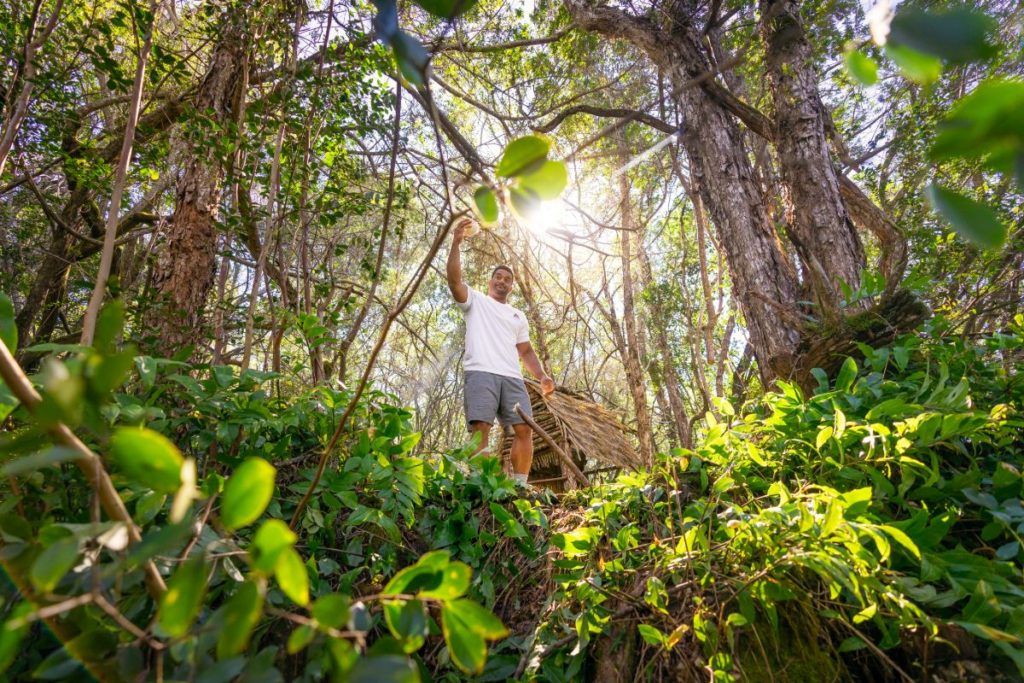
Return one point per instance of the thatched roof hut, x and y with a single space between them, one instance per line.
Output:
592 435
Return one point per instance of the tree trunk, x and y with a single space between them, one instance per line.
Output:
185 270
765 284
819 226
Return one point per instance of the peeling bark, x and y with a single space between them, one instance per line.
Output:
819 226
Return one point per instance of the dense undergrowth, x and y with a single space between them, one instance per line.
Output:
870 531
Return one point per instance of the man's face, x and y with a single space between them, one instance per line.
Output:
501 283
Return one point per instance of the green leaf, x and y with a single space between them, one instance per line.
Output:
247 493
241 614
900 537
8 326
446 9
300 638
957 35
271 539
180 605
547 181
111 372
521 154
147 458
467 648
292 577
918 67
331 610
984 122
109 324
466 627
426 574
37 461
852 644
847 373
408 623
53 563
833 517
455 580
972 220
486 205
861 68
651 635
478 618
11 635
524 202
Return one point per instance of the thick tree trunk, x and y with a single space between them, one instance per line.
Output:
765 284
185 270
819 226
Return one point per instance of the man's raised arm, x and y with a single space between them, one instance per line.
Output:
454 269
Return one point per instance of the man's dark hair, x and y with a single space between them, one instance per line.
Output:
503 267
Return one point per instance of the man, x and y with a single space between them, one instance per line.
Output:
497 338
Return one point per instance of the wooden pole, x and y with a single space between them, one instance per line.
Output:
566 460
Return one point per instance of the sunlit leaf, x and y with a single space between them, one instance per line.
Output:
247 493
915 65
292 577
522 153
486 205
271 539
972 220
147 458
861 67
547 181
331 609
12 633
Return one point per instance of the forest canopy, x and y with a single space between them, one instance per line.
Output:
777 243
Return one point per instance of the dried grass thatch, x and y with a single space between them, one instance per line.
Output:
592 435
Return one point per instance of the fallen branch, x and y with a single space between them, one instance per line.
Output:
566 460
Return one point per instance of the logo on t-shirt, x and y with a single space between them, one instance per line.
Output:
515 316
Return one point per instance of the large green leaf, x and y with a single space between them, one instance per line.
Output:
408 623
972 220
53 563
525 202
915 65
241 614
180 605
8 327
271 539
486 205
547 181
147 458
292 577
454 583
987 121
957 35
247 493
466 627
426 574
522 153
861 67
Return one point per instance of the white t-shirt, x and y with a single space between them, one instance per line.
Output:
492 331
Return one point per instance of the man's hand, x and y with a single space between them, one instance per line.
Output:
547 385
459 233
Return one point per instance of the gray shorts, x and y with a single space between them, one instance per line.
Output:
488 396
